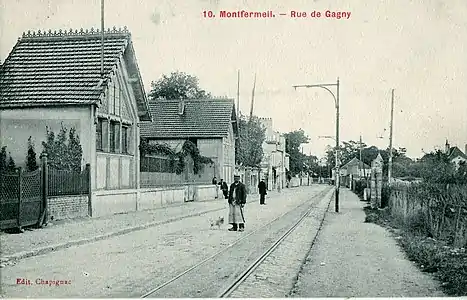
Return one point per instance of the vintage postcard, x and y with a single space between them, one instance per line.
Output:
233 149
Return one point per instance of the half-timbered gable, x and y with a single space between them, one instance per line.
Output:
56 78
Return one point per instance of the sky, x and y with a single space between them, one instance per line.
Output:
418 48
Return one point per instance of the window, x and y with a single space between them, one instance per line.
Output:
125 140
112 99
99 144
118 98
144 164
114 137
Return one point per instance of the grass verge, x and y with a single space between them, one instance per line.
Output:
447 264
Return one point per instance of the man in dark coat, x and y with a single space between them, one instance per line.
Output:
224 188
237 200
262 192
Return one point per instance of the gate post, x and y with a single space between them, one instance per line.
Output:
88 175
45 188
20 192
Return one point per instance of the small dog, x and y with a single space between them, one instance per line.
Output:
217 222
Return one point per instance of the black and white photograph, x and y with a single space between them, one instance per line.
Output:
233 148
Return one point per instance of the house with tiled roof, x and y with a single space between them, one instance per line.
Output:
54 78
455 154
211 124
275 162
355 167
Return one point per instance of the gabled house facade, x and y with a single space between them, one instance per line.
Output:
356 168
52 79
455 155
211 124
275 162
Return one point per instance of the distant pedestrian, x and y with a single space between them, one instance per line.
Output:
237 200
262 192
224 188
214 181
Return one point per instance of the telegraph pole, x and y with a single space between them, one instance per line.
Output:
360 163
238 93
102 40
337 150
252 98
238 113
390 138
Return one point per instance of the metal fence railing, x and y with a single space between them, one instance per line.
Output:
65 182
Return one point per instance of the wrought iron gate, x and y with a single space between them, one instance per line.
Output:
22 201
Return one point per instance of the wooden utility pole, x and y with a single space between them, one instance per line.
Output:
337 149
238 93
252 99
390 138
102 41
360 163
251 109
238 114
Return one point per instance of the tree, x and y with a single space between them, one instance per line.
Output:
249 145
178 85
64 151
3 160
74 150
436 167
31 160
293 141
311 165
11 165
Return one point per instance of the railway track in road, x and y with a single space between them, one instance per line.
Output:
207 278
261 285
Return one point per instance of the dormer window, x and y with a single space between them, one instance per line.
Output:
181 107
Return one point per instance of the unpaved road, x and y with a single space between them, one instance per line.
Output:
131 264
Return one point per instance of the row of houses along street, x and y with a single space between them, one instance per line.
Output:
113 117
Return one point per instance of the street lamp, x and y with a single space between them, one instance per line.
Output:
336 101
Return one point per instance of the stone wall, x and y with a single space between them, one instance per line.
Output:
67 207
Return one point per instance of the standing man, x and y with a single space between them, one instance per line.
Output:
237 200
214 181
224 188
262 192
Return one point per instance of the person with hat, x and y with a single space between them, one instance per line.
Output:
237 200
262 192
224 188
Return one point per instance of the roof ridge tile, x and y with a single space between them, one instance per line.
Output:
70 32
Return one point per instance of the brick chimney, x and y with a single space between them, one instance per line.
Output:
447 147
181 107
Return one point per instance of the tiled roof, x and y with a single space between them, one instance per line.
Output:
60 68
355 161
202 118
455 152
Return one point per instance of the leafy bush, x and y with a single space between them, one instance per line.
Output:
360 186
385 194
447 263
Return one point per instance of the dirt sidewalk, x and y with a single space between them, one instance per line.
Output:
355 259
